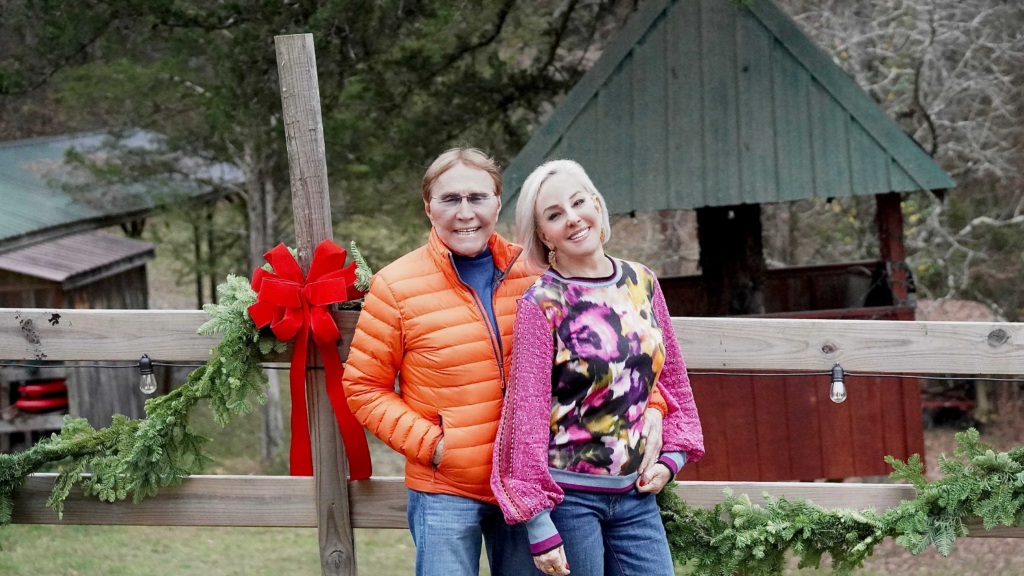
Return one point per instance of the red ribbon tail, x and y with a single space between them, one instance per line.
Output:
359 465
301 453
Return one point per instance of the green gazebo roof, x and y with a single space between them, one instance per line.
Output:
698 103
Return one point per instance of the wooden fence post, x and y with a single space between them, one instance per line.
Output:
307 165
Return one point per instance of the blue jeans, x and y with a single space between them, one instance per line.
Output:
447 531
613 534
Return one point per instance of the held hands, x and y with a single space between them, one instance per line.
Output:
652 439
654 479
552 562
652 476
438 451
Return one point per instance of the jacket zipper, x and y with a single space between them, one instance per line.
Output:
433 466
496 346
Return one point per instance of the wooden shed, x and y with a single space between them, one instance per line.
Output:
699 104
88 270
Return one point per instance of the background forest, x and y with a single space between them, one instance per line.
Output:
403 80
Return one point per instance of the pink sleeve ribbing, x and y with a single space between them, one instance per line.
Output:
681 431
520 478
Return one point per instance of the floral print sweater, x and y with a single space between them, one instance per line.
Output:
586 357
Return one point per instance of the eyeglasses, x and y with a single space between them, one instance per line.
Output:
453 201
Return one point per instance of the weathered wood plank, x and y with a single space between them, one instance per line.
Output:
288 501
614 170
119 335
707 343
859 345
267 501
720 119
685 106
650 132
311 209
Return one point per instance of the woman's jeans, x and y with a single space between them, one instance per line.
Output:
613 534
447 531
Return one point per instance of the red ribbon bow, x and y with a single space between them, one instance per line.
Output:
296 307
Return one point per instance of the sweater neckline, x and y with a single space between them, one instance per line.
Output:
592 282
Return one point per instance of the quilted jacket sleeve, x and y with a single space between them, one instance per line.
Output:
374 360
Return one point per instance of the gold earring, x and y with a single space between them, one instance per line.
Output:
602 235
551 257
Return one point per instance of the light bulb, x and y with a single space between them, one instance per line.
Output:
147 384
837 393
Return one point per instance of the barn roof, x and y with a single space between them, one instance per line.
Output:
698 103
80 259
36 207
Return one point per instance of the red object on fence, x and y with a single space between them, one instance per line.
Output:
41 404
296 307
41 389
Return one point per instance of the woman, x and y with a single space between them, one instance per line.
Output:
592 341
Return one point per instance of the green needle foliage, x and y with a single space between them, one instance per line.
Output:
138 457
737 537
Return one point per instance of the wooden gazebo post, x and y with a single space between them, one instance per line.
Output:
889 221
307 166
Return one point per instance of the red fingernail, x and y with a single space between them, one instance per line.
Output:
642 482
566 564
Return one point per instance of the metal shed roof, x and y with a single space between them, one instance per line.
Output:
36 208
80 259
699 103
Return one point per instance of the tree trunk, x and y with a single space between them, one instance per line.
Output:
198 264
273 423
260 202
731 259
211 252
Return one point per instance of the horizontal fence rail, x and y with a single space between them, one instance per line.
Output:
289 501
707 343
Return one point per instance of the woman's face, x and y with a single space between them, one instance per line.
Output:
568 218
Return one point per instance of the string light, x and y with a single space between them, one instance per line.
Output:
147 383
837 392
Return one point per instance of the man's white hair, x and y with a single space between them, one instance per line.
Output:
526 221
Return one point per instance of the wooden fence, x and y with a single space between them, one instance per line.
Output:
707 344
336 506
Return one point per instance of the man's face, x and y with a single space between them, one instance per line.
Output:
464 209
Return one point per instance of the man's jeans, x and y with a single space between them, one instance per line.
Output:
447 531
613 534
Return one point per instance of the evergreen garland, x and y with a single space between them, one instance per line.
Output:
138 457
739 537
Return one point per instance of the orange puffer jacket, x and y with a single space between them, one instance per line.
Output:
422 323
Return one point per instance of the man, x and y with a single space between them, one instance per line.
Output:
440 318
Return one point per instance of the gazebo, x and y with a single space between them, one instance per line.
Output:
699 104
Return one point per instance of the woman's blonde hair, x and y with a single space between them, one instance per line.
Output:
526 220
471 157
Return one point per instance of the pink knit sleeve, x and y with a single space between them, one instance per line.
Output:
681 430
520 478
